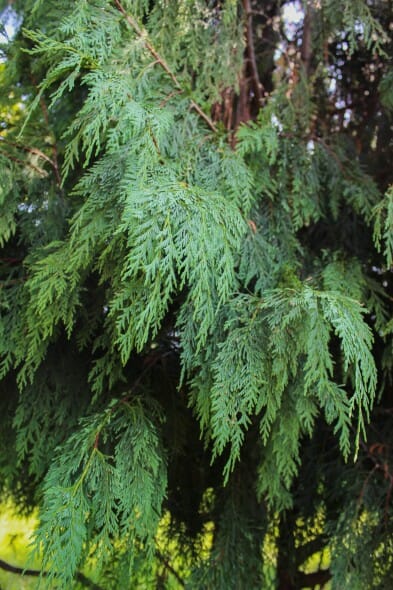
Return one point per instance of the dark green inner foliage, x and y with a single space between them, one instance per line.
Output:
196 249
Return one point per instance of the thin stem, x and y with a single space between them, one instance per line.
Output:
25 148
54 161
87 466
13 569
142 33
170 568
39 171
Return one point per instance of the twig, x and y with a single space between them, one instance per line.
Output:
26 148
168 98
330 151
40 171
170 568
142 33
55 163
13 569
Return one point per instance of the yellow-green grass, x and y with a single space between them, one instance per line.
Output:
15 537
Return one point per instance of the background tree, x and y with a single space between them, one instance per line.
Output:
196 291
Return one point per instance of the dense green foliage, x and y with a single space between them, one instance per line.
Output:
196 233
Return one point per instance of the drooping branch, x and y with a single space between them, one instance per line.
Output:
142 33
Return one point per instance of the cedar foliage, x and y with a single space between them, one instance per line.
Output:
196 239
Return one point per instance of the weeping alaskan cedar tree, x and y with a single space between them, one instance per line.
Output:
196 290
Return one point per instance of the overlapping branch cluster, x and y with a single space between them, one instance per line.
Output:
177 238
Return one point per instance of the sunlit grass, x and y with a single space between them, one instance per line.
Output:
15 537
